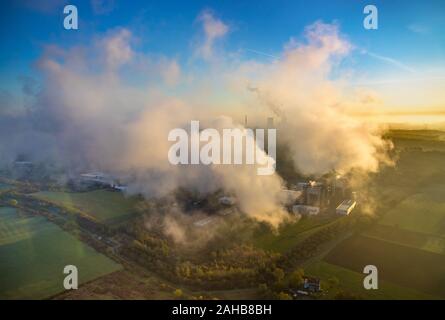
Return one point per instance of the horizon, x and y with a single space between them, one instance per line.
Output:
399 82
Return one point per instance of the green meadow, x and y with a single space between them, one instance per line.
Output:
289 234
353 281
407 240
402 265
34 253
422 212
104 206
427 242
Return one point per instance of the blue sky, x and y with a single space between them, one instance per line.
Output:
410 41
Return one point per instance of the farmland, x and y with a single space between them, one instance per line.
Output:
406 240
289 234
413 239
34 253
402 265
404 236
353 281
104 206
421 212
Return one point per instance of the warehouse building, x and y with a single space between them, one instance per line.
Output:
346 207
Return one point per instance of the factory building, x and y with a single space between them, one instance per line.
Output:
96 177
101 179
227 201
203 222
313 193
346 207
305 210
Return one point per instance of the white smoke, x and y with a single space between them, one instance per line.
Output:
314 109
89 114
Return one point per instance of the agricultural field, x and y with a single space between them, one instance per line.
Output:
289 235
407 239
427 242
425 140
121 285
34 252
104 206
422 212
401 265
353 281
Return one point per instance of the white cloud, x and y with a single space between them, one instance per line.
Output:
96 118
213 30
170 71
117 49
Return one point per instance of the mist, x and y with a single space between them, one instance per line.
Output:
89 113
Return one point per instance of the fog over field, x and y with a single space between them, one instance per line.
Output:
222 150
85 113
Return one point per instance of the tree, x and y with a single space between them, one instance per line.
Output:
262 288
278 274
296 278
178 293
284 296
346 295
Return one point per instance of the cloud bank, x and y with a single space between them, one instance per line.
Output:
90 115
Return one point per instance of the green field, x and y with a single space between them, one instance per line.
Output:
406 239
402 265
290 234
413 239
34 252
104 206
426 140
353 281
421 212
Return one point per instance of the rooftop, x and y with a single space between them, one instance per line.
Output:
346 204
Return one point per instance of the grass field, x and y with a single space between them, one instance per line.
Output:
401 265
407 241
421 212
290 234
413 239
34 252
427 140
353 281
105 206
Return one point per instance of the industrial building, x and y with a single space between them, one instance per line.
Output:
313 193
204 222
346 207
102 179
227 201
305 210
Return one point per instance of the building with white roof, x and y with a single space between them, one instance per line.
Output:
346 207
